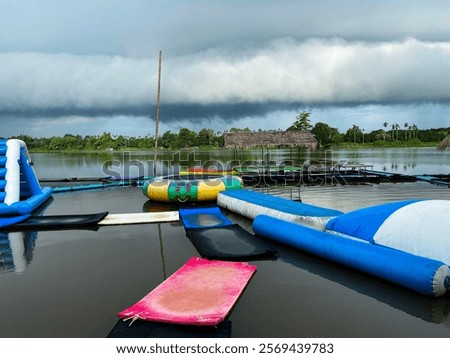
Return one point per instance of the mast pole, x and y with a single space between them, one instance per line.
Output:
158 99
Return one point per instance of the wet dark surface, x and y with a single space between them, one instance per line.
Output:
72 283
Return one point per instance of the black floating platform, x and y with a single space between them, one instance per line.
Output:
216 238
231 243
146 329
58 222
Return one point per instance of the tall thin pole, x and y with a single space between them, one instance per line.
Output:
158 99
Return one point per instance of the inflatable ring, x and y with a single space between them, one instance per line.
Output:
179 190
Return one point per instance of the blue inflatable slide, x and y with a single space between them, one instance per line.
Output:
20 191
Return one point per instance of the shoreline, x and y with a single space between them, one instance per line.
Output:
336 146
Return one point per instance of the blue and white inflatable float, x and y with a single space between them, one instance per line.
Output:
405 242
20 191
250 204
419 227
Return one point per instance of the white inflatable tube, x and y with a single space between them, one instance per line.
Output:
250 204
12 177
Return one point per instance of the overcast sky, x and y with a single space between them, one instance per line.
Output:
89 66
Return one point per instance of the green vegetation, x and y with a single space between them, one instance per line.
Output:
302 122
185 138
355 136
409 136
391 135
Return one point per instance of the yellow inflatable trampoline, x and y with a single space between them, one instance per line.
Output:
183 190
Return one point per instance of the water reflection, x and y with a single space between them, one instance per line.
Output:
16 248
429 309
16 251
153 206
161 247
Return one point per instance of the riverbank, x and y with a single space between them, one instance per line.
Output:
344 145
383 144
172 141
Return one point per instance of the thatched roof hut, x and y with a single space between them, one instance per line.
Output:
302 139
445 143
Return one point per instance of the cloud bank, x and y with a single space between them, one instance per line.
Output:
330 72
226 84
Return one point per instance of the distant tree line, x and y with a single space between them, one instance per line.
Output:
411 135
388 135
185 138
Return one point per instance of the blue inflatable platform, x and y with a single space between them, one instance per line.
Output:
201 218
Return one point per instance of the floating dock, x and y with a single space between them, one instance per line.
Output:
441 180
348 175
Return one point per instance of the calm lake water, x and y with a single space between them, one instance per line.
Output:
397 160
73 283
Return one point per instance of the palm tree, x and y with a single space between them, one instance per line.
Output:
385 124
396 130
355 130
414 127
406 131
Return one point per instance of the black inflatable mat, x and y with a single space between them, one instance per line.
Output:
58 222
146 329
229 243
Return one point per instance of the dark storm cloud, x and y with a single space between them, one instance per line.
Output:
171 112
222 60
218 83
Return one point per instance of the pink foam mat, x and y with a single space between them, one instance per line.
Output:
201 292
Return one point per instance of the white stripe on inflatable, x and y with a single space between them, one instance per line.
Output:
420 228
251 211
12 188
